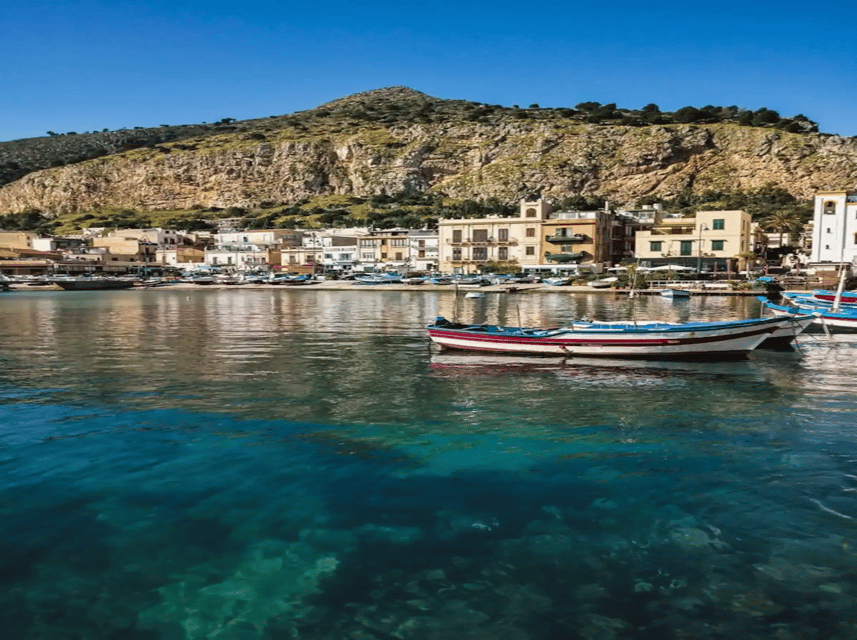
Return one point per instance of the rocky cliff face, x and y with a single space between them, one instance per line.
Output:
504 158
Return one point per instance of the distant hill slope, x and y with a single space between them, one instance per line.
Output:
398 140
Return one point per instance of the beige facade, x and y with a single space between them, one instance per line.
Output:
176 257
126 251
466 245
17 239
712 237
384 249
575 237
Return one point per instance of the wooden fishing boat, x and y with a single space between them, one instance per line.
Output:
826 319
647 340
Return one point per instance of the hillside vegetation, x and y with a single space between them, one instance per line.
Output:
335 164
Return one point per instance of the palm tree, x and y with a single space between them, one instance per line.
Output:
781 222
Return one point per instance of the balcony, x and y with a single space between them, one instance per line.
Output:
564 257
568 239
468 242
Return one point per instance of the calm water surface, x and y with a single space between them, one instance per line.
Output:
218 464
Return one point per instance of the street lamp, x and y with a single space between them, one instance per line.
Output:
702 228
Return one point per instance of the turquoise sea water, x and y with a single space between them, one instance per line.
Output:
240 464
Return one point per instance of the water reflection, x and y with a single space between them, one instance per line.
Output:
246 464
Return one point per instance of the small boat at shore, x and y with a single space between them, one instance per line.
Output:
675 293
646 340
74 283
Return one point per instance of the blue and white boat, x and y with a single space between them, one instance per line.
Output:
379 278
646 340
843 320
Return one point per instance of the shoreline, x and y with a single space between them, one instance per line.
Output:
338 285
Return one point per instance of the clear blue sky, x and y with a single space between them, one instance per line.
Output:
85 65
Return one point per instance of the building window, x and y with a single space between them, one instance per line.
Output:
718 224
531 232
480 235
655 245
829 208
531 213
421 253
421 243
686 248
456 254
717 245
530 251
480 253
456 235
503 235
503 253
398 255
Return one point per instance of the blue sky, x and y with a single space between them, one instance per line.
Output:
84 65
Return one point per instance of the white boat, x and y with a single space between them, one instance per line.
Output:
649 340
604 283
474 294
675 293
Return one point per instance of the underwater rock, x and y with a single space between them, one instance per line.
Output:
690 538
271 581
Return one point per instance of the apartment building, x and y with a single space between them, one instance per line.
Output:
570 238
705 242
384 249
467 245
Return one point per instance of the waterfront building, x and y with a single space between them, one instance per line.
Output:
239 256
61 243
155 235
180 257
17 239
706 242
833 234
572 238
123 251
423 250
467 245
383 250
340 251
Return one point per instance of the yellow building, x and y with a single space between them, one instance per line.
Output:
384 249
576 237
126 251
466 245
704 242
17 239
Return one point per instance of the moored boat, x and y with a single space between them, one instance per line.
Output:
74 283
826 319
675 293
648 340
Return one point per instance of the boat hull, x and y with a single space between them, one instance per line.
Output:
707 341
93 284
825 318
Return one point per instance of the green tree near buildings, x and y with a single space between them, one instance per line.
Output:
782 222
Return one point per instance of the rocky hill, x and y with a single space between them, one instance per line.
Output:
398 140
